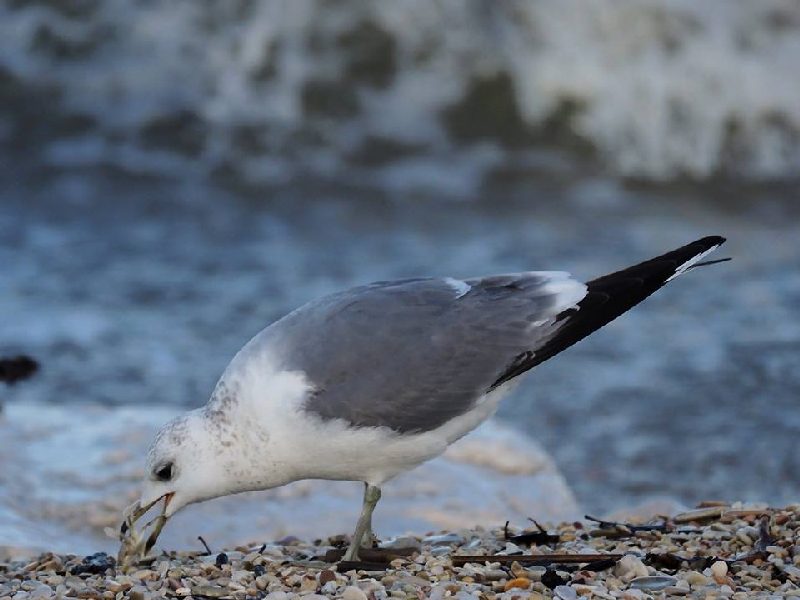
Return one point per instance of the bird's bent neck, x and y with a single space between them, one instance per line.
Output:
252 414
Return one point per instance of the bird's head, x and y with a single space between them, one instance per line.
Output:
182 466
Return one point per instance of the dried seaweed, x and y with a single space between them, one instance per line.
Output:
540 538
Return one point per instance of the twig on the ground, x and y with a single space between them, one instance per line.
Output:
205 545
764 537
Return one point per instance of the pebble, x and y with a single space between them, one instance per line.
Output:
653 583
209 591
522 583
696 579
630 567
703 514
566 592
352 592
719 571
443 539
402 543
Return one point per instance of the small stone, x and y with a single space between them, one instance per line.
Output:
94 564
696 579
211 591
552 579
183 591
221 559
653 583
522 583
566 592
793 572
137 593
279 595
443 539
629 567
704 514
308 584
412 581
719 571
326 576
536 572
352 592
401 543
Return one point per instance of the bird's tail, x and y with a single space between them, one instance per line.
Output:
609 296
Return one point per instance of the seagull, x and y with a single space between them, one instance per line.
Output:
370 382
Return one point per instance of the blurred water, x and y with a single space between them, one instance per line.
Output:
272 91
140 293
175 176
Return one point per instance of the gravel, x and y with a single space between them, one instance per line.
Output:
732 552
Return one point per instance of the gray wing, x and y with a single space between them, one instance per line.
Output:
411 355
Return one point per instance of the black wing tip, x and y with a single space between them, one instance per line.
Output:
710 241
610 296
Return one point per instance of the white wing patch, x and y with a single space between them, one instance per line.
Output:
460 287
567 291
685 266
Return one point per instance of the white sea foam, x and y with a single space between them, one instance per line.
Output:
263 89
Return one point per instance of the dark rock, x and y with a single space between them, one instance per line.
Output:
326 576
552 579
94 564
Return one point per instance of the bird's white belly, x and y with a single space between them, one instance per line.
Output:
336 450
291 443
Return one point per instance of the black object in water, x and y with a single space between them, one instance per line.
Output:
17 368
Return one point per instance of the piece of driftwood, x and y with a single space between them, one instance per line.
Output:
360 565
614 529
205 545
370 555
535 559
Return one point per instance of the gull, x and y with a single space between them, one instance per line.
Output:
367 383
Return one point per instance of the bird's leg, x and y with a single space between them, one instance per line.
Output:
372 494
369 535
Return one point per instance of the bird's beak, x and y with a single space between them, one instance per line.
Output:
133 546
137 510
167 499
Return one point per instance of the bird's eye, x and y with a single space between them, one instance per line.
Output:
163 472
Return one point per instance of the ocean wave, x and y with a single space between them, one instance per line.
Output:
264 92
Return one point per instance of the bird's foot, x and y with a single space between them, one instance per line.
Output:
352 553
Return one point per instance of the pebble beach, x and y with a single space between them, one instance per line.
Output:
715 551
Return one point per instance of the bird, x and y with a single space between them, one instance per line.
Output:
370 382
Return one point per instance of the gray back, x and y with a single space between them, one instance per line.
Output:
411 355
